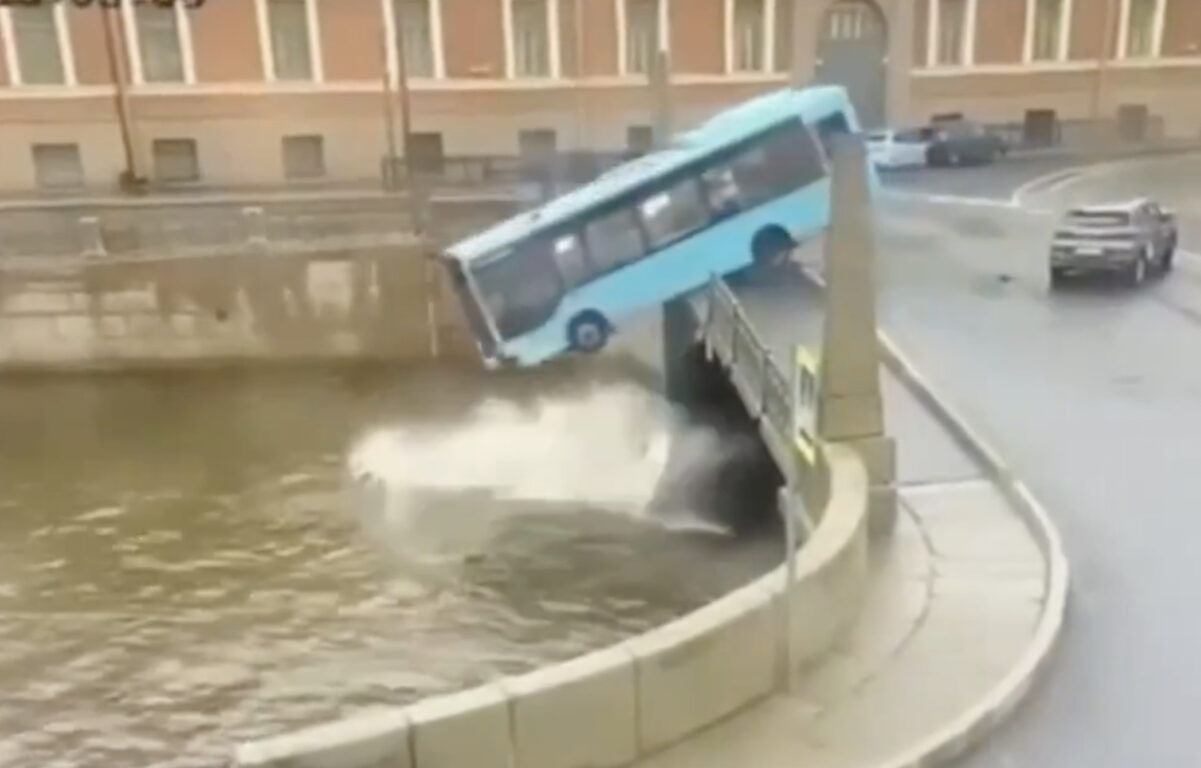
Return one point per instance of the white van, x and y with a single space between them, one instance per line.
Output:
893 148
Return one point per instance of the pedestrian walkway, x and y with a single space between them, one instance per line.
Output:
955 598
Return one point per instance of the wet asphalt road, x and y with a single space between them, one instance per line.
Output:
1094 396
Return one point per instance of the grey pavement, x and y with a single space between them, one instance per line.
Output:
953 602
1094 397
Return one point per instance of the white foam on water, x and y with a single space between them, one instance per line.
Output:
435 491
604 448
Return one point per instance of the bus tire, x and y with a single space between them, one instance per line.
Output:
770 247
588 332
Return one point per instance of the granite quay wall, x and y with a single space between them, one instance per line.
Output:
611 707
181 283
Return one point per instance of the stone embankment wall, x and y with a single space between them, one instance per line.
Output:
276 293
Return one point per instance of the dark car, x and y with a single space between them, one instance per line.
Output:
1128 239
963 143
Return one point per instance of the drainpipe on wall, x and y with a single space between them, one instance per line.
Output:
660 83
389 116
131 180
579 73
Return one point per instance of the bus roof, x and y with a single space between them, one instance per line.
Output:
725 127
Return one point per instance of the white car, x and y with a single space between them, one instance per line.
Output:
893 148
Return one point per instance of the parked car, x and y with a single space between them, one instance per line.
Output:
963 143
1129 239
896 148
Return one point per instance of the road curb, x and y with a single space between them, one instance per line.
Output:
971 726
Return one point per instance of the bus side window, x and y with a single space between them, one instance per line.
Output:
673 213
569 258
722 190
614 240
779 163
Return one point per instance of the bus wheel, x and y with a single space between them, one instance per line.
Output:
588 332
771 247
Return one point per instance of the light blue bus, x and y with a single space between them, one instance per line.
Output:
741 190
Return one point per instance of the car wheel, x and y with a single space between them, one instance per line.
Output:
1136 273
1059 278
953 158
588 332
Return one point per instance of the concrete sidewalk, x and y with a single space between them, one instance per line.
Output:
956 598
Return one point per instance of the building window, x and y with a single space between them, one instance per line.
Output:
537 143
175 160
1048 30
642 35
1142 22
640 138
291 42
845 22
785 33
414 29
36 37
531 38
304 157
57 166
159 43
428 154
952 32
748 35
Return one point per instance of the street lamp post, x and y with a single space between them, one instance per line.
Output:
1097 105
413 184
389 116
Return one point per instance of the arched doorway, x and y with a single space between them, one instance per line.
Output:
852 46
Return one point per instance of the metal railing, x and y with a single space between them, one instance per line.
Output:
762 384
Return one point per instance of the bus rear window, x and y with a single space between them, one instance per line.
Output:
830 126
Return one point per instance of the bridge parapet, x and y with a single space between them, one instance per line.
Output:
766 389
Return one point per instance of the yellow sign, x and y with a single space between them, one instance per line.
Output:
804 402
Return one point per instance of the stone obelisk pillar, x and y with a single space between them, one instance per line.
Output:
850 405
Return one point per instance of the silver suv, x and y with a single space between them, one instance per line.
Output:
1128 239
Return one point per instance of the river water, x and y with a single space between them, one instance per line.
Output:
190 560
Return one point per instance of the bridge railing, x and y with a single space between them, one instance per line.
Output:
762 383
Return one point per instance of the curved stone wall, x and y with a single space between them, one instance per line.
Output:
608 708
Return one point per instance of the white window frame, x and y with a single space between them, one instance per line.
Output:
1156 31
619 8
552 32
391 29
313 21
184 28
967 43
65 52
769 37
1063 45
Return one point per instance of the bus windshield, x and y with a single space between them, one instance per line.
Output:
520 287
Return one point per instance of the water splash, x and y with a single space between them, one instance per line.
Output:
611 448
